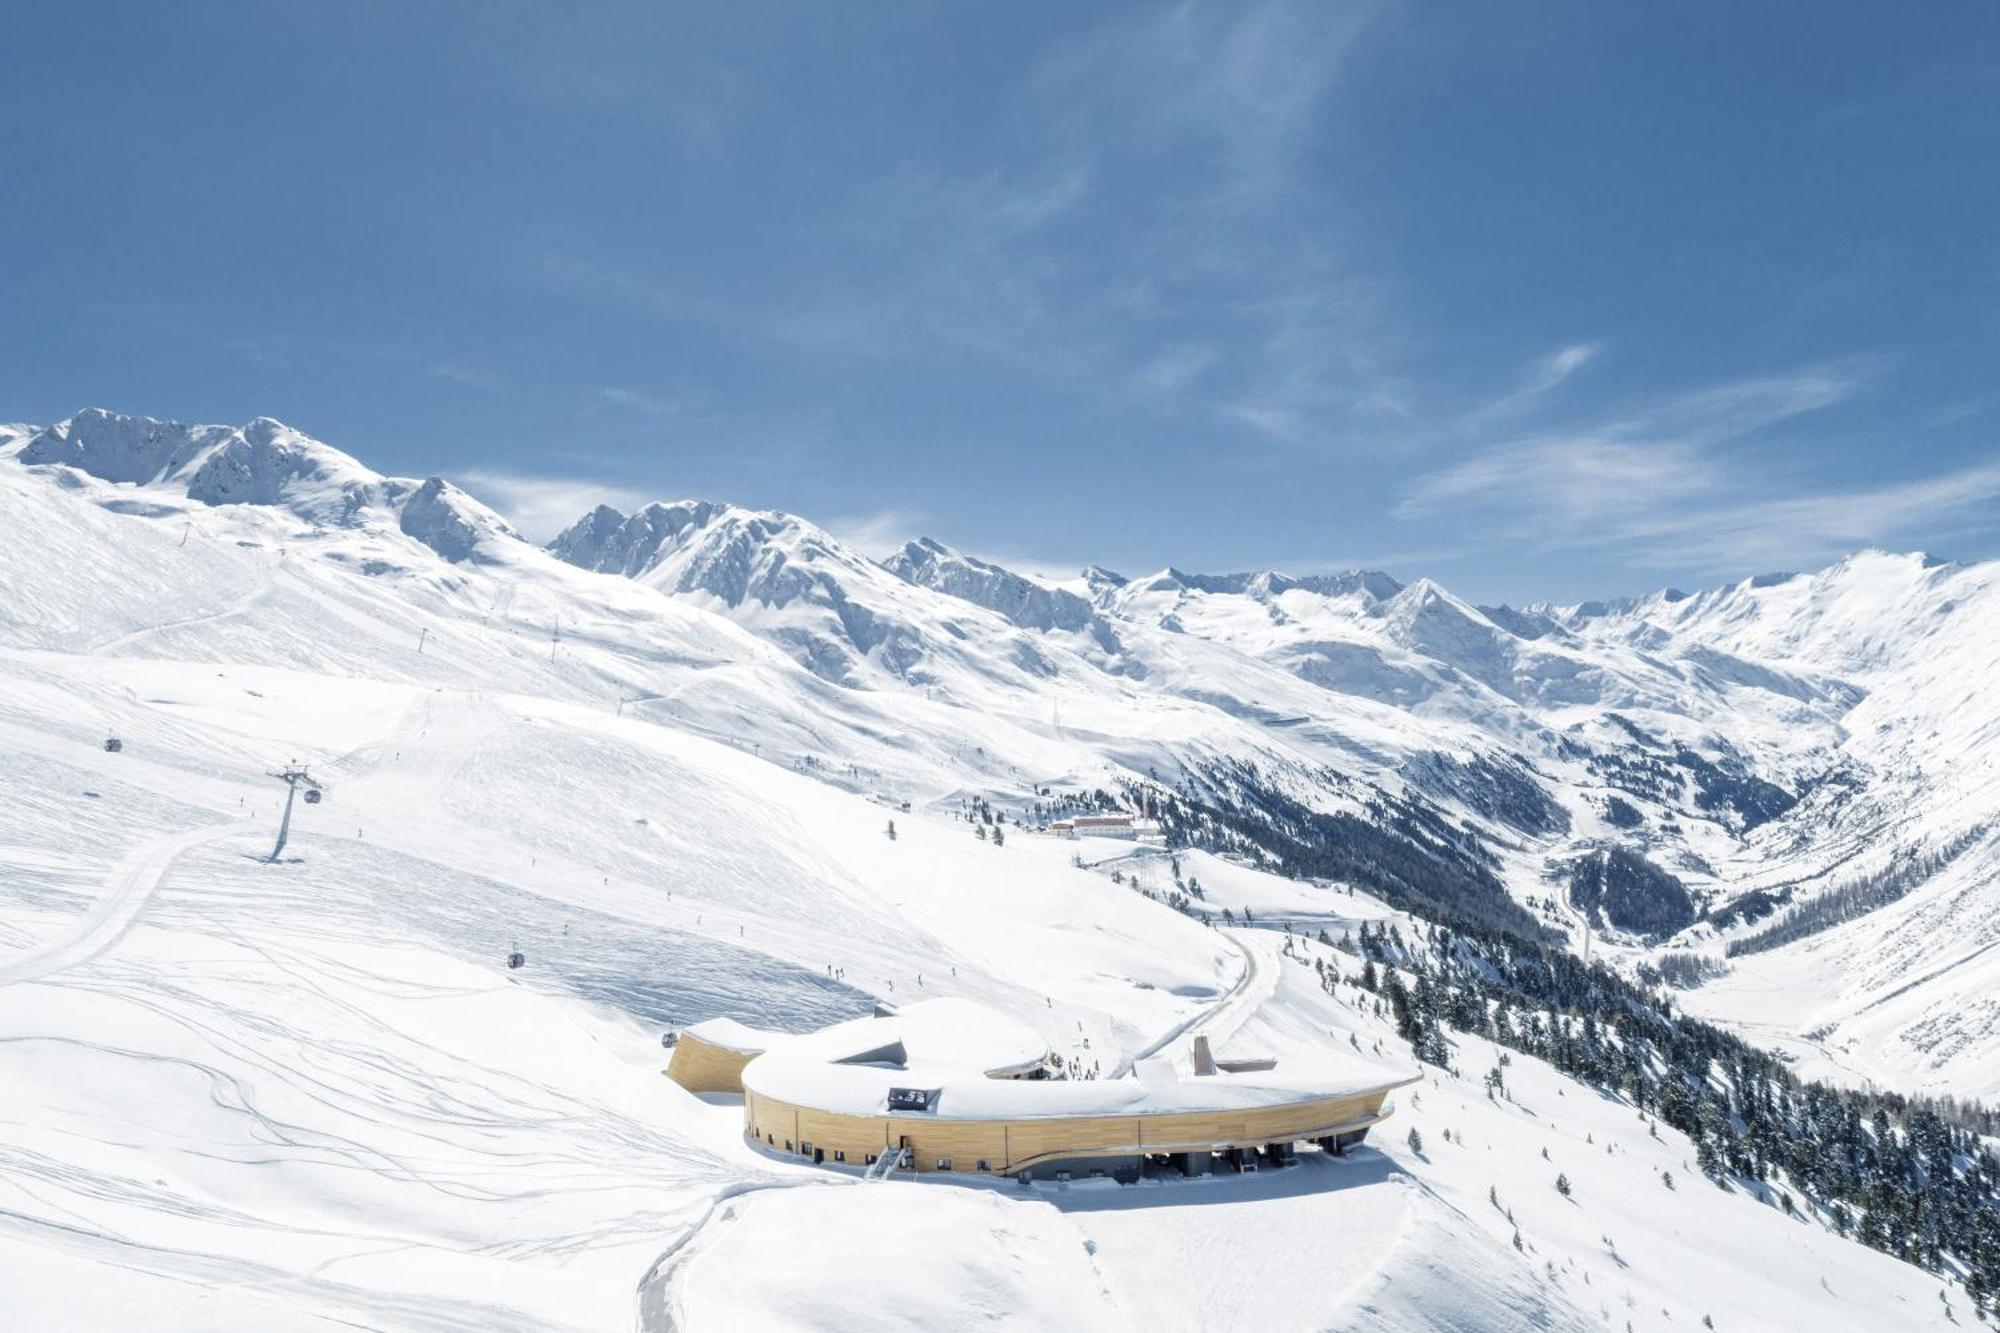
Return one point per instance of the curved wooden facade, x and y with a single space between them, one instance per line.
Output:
1006 1146
953 1084
703 1066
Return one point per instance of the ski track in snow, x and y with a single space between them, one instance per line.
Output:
1241 992
126 890
247 602
311 1095
659 1304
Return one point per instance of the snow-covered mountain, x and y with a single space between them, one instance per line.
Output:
1744 748
1031 605
263 463
842 616
659 757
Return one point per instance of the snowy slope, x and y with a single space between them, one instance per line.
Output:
1763 739
356 1113
1545 730
1862 692
1391 1239
661 761
349 1098
1903 996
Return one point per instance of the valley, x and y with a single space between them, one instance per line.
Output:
661 761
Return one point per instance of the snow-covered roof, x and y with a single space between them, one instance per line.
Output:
735 1036
969 1055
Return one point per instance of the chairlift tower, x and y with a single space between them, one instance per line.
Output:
294 778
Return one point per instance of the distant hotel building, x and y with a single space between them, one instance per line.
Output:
1109 826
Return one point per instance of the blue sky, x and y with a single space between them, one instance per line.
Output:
1549 300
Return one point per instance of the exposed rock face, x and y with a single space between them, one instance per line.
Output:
612 542
931 564
434 516
264 463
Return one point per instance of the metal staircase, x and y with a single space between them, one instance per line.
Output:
880 1168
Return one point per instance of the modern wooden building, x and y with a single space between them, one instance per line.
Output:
949 1085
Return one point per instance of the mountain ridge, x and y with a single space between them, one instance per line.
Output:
1748 740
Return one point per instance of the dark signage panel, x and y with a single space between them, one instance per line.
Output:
912 1099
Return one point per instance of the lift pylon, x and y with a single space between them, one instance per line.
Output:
294 778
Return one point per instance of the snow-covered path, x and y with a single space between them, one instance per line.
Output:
126 889
236 1095
660 1297
1251 992
1217 1020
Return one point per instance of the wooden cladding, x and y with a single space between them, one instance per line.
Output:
699 1066
1010 1145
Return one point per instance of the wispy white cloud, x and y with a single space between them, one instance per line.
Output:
460 372
1142 229
539 506
875 534
1804 529
1220 108
1575 478
622 288
1239 85
1560 364
1042 201
1548 374
658 406
1657 451
1678 482
1174 369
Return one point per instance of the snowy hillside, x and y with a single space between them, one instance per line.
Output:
1901 995
662 759
1734 752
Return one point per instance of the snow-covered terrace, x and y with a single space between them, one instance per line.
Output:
976 1062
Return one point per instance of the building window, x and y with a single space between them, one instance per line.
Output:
788 1145
944 1163
840 1154
983 1166
871 1159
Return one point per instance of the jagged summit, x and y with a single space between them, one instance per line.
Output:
267 463
684 729
1264 584
931 564
843 616
1760 741
251 464
613 542
699 546
1097 576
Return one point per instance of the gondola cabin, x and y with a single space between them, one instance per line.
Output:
113 745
